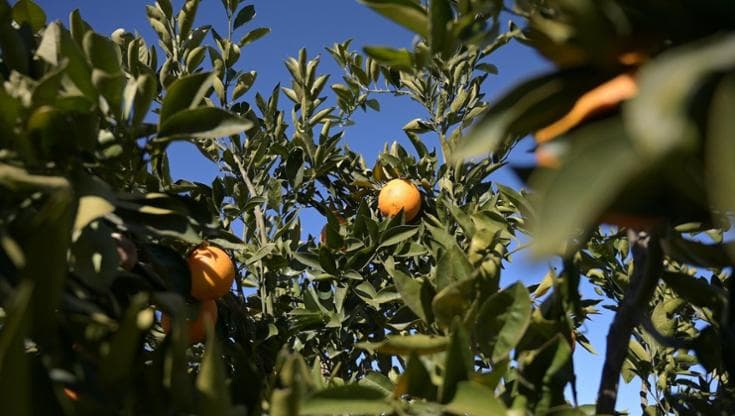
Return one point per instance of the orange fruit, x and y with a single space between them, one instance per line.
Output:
196 328
632 221
600 99
212 272
71 394
547 157
397 195
323 235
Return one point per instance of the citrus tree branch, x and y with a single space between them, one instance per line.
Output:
647 268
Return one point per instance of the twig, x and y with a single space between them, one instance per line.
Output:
647 267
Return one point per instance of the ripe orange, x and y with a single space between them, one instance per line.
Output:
600 99
548 156
632 221
212 272
71 394
197 328
397 195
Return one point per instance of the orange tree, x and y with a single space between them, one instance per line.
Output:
632 130
392 315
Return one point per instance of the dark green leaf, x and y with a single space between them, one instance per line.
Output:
527 108
185 93
126 343
409 288
27 11
502 321
15 378
398 234
253 35
205 122
245 15
415 381
394 58
458 365
475 399
440 14
405 345
606 158
720 149
407 13
667 87
212 382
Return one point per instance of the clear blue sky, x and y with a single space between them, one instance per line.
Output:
315 24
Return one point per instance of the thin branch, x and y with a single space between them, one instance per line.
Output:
647 268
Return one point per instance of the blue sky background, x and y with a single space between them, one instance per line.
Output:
315 24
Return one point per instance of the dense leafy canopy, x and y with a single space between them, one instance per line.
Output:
381 315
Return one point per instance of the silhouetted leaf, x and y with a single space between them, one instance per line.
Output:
407 13
205 122
502 321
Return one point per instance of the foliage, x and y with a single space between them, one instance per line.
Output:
385 316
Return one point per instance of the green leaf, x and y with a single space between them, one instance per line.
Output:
350 399
415 381
453 301
15 375
146 90
409 288
698 254
52 223
394 58
253 35
697 291
405 345
78 26
126 343
547 373
476 400
377 381
398 234
211 382
407 13
245 15
488 68
90 208
103 53
27 11
186 16
186 93
667 89
720 151
458 365
502 321
171 266
662 316
565 205
244 83
527 108
440 14
452 267
205 122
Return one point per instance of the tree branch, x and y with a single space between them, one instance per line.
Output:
647 268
